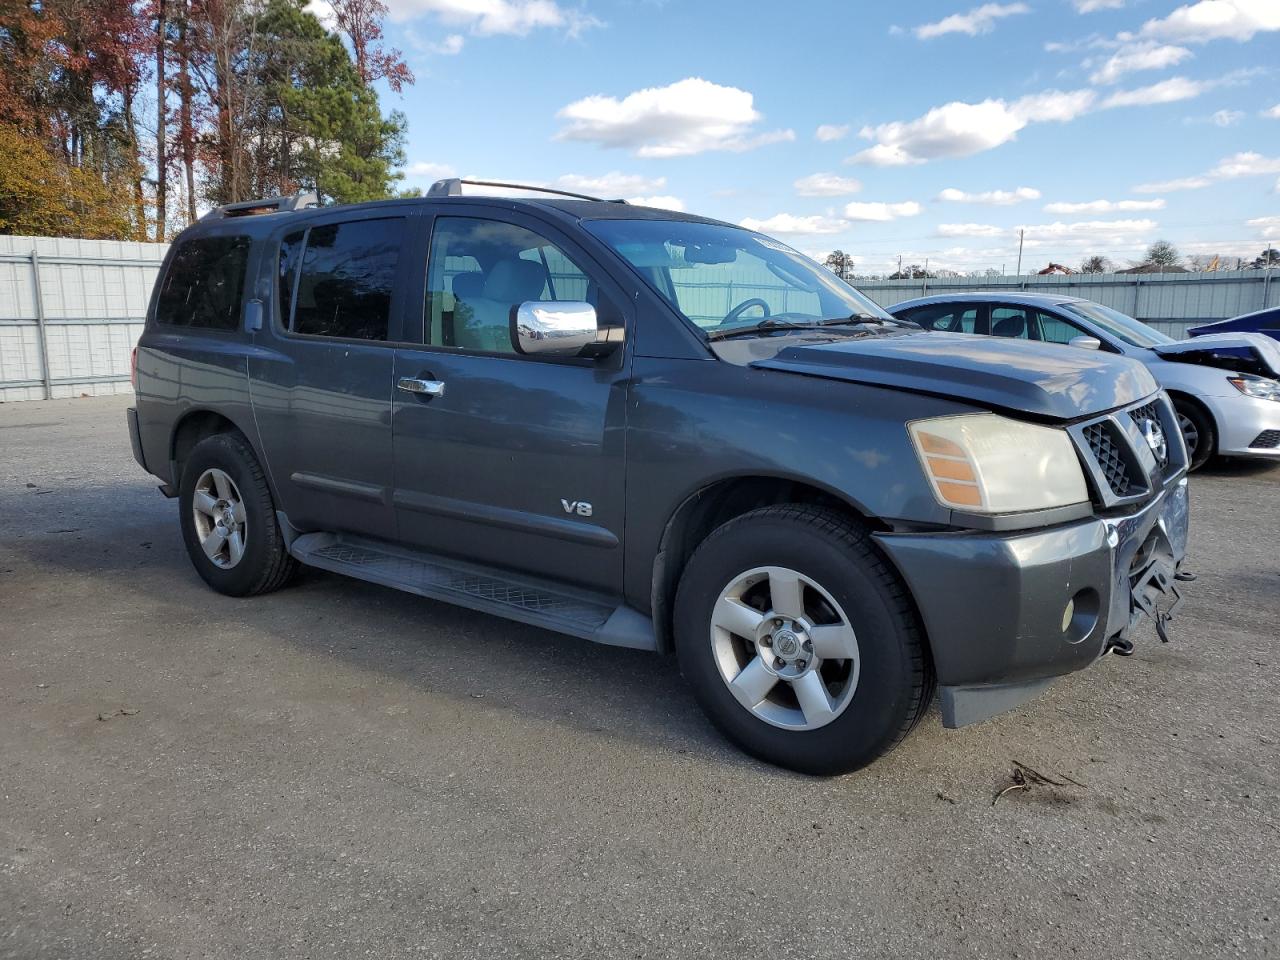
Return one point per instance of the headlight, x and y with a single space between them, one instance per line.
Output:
1260 388
983 463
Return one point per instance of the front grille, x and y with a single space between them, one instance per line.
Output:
1110 460
1151 411
1267 440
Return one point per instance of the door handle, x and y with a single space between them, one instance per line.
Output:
426 388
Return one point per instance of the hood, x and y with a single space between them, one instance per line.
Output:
1242 352
1045 380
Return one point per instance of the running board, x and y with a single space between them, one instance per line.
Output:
577 613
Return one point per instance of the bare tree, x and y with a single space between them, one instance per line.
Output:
1096 264
840 263
1164 254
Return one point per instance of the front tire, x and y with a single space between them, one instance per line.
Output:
800 642
1198 433
228 518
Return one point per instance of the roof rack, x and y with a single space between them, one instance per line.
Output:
452 187
251 208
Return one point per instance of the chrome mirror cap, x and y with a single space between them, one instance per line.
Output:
1085 343
561 328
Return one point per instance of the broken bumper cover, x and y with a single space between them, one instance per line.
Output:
1006 614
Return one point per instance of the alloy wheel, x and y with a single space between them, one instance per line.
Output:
785 648
220 520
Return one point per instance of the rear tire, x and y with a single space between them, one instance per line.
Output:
228 518
821 678
1198 432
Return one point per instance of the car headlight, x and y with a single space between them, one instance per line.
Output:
984 463
1260 388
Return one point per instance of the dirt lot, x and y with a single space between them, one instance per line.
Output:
340 771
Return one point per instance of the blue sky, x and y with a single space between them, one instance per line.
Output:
946 125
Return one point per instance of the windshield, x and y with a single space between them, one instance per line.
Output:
1131 331
724 278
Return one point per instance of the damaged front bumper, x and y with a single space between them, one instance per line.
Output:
1006 614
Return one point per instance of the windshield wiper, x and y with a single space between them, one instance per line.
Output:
773 323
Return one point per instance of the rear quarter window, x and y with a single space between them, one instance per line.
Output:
203 284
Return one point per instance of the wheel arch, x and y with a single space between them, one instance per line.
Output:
195 425
716 503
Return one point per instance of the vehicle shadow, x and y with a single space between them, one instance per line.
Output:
1238 467
593 689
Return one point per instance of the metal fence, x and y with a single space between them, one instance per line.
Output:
70 313
1170 302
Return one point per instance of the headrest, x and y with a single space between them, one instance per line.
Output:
468 286
514 281
1014 326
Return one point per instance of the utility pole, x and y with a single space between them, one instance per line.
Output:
1020 236
899 266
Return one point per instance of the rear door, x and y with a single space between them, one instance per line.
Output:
518 461
322 384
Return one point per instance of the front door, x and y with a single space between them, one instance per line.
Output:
512 461
322 381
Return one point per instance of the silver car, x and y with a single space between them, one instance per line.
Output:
1224 386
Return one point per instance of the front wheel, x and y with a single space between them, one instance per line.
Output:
800 642
1197 433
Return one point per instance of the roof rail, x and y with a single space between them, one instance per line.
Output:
250 208
452 187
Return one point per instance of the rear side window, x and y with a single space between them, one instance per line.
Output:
345 276
203 284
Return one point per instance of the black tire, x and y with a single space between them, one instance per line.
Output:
1205 432
896 681
266 564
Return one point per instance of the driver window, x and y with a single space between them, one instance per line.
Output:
479 271
1010 322
1056 330
707 293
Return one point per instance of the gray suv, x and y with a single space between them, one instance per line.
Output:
665 432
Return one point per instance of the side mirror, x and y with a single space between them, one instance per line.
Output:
558 328
1085 343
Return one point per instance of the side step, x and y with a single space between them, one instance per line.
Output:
564 610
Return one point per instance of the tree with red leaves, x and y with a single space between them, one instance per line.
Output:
360 21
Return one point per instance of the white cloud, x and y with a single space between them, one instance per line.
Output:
790 224
1092 6
961 129
997 198
611 184
661 202
1216 20
1088 229
831 131
827 185
1226 118
978 20
1247 164
490 17
1169 186
1166 91
1273 113
1139 56
1268 227
426 170
1105 206
450 46
880 211
684 118
970 230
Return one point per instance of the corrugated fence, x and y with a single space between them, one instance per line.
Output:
1170 302
71 310
70 313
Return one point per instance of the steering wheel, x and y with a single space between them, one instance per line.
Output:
743 307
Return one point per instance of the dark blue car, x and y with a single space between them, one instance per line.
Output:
1262 321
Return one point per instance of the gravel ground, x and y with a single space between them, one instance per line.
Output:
339 771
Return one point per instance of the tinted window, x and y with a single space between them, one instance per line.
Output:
346 279
478 271
203 283
947 317
290 257
1012 322
1056 330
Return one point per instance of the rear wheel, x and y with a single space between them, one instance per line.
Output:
1198 432
800 642
228 519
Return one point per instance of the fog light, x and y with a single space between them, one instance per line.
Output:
1081 614
1067 613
